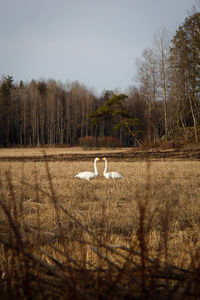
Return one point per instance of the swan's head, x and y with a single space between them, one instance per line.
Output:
104 158
97 158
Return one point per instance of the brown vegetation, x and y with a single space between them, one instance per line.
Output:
63 238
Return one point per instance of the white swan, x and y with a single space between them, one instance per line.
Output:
89 175
113 175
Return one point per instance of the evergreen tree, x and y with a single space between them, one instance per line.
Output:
185 58
115 107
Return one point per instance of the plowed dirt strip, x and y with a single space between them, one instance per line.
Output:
131 155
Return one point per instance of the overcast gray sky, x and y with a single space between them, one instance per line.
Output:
93 41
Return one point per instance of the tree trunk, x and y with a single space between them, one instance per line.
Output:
194 120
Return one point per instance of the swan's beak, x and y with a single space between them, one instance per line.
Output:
103 158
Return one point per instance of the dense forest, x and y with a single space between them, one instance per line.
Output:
164 103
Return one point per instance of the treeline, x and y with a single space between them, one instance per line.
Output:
169 73
40 113
165 102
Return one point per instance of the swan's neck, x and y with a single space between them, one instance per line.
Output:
105 166
95 167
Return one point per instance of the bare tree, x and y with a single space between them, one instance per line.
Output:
162 54
147 77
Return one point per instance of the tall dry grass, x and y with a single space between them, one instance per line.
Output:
63 238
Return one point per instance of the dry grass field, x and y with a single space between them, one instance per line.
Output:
66 238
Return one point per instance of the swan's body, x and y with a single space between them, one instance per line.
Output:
89 175
112 175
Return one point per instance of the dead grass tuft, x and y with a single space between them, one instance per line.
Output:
64 238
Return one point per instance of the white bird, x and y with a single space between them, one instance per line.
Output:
113 175
89 175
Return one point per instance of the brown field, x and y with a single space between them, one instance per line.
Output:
16 152
139 235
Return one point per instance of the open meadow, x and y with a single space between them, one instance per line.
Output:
62 237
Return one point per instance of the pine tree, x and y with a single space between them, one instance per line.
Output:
185 58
